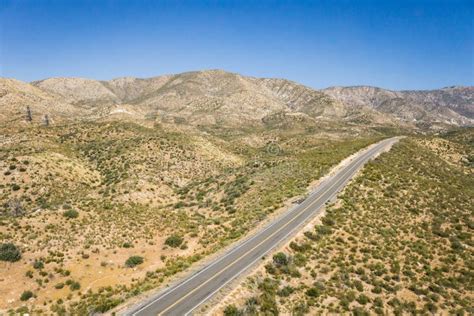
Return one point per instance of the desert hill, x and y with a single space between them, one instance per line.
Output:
452 106
216 97
171 169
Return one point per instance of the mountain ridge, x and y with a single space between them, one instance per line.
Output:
218 97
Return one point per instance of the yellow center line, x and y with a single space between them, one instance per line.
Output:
252 249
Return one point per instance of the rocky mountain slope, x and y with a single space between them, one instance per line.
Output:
215 97
15 95
453 105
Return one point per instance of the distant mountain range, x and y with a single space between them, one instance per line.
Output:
215 97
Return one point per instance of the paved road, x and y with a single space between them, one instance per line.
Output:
186 296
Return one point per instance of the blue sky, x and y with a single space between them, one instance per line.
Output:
391 44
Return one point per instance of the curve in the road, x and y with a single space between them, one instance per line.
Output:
186 296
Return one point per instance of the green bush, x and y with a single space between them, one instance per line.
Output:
9 252
106 304
362 299
359 311
38 264
59 286
70 214
174 241
323 230
359 286
378 302
26 295
74 286
134 261
299 260
232 310
286 291
313 292
280 259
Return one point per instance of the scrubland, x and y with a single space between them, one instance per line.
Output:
101 212
397 242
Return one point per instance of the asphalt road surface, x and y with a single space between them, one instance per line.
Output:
184 297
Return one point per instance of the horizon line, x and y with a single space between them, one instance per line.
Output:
451 86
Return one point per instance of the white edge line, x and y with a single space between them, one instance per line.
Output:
270 249
231 251
171 290
276 244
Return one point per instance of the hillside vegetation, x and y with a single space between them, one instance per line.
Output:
398 241
215 98
100 212
110 188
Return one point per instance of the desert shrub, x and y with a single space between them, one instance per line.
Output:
106 304
59 286
38 264
299 260
74 286
251 305
9 252
316 290
270 268
70 214
323 230
350 296
312 236
327 220
359 286
377 290
378 302
431 307
300 308
344 303
313 292
26 295
134 261
268 304
362 299
303 247
232 310
359 311
180 204
286 291
174 241
360 271
280 259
